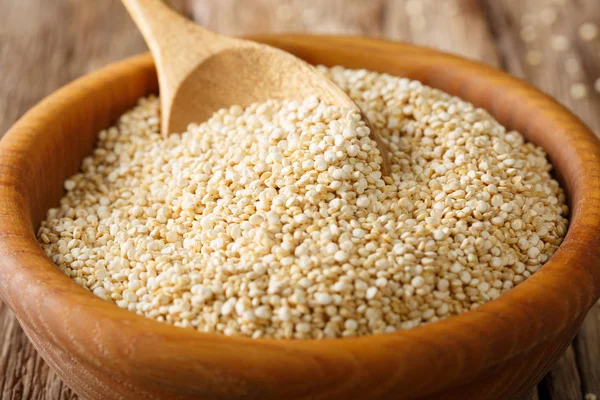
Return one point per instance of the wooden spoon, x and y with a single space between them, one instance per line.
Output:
200 71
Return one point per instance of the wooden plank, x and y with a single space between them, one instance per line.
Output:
462 21
528 36
508 17
239 17
532 395
455 26
40 54
563 381
587 350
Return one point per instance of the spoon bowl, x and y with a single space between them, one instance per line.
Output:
268 73
201 72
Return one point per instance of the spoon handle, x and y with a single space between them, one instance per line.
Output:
177 44
160 25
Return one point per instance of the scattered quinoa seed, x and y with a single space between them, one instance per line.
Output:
560 43
309 16
572 66
578 91
528 34
534 58
275 221
451 8
548 16
418 22
284 13
414 8
588 31
528 19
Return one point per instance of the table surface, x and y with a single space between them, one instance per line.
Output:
45 44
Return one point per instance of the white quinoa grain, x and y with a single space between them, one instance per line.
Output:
275 221
70 185
323 298
370 293
363 201
350 325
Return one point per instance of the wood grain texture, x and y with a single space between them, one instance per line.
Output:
39 53
505 17
457 27
239 17
578 374
587 352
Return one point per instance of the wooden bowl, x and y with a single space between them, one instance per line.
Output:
103 352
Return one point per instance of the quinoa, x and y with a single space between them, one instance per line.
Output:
275 220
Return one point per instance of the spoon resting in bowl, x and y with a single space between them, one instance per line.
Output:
201 72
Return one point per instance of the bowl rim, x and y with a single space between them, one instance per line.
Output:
482 332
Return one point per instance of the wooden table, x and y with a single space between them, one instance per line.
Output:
45 44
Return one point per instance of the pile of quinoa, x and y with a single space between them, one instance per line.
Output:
275 220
